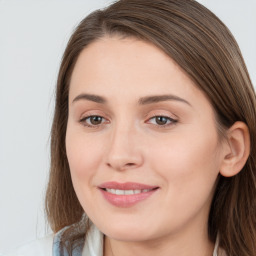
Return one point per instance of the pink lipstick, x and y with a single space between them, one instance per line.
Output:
126 194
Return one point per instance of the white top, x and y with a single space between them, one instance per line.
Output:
43 247
93 246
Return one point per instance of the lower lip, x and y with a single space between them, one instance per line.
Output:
126 200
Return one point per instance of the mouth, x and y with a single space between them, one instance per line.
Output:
126 194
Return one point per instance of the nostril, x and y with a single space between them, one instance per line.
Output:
129 164
119 166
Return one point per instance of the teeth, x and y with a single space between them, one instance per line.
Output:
126 192
119 192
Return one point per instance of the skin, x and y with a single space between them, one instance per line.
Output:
182 158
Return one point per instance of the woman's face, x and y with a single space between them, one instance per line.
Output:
141 142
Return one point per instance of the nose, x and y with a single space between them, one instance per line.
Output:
125 150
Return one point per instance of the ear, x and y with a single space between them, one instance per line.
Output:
236 149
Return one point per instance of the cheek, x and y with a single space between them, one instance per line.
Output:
187 159
84 155
84 158
189 169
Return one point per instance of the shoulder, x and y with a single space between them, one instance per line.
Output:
40 247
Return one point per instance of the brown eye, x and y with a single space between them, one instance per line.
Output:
92 121
161 120
95 120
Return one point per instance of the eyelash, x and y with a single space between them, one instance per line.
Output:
171 121
83 121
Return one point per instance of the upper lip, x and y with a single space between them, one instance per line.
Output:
126 186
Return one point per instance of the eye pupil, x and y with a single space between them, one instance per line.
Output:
95 120
161 120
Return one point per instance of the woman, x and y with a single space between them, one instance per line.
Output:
153 138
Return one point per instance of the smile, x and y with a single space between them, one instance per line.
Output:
126 194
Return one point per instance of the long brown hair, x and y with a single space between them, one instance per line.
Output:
206 50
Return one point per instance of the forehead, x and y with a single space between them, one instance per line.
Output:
123 67
117 54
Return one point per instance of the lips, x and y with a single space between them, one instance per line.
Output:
126 194
126 186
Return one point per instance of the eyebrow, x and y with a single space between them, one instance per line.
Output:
159 98
90 97
142 101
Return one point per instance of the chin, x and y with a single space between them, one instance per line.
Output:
127 232
127 236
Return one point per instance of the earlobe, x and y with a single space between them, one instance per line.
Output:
237 149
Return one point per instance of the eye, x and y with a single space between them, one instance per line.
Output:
162 120
92 121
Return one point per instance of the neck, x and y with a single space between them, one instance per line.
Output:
195 245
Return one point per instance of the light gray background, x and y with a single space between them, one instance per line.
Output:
33 35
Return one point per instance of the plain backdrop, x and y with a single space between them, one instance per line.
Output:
33 35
